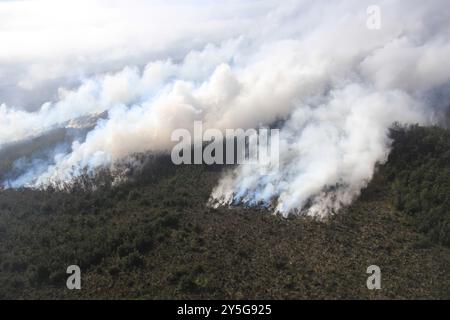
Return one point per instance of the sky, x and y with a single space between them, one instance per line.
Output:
49 43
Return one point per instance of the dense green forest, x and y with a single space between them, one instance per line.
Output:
155 237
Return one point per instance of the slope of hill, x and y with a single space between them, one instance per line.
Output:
20 157
154 237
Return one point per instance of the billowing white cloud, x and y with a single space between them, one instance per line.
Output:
337 85
46 43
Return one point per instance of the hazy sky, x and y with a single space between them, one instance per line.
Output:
48 43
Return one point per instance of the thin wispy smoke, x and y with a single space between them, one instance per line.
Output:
313 66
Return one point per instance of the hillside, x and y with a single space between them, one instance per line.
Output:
21 156
154 237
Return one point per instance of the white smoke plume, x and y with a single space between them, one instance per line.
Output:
336 85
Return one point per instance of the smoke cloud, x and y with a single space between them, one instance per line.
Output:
335 85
